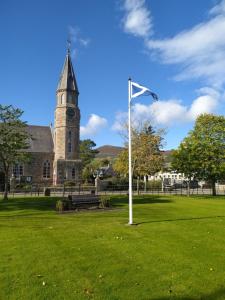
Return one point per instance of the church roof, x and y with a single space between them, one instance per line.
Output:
67 79
41 140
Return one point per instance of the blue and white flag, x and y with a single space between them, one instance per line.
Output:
139 90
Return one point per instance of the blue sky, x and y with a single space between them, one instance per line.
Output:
176 48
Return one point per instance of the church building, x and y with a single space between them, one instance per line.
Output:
54 151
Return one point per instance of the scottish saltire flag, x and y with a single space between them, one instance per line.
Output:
139 90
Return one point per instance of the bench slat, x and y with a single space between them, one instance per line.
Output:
87 200
84 199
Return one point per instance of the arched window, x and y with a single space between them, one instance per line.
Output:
17 170
73 173
46 169
69 141
63 98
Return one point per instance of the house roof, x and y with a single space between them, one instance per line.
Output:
42 140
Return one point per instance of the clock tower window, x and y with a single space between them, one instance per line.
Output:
69 142
63 98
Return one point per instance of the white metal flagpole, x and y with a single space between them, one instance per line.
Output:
130 167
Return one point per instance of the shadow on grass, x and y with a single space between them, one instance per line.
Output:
48 203
123 200
181 219
29 203
218 294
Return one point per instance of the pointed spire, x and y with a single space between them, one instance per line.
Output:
67 79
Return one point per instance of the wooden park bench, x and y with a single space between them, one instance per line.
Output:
84 201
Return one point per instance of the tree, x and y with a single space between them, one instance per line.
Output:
121 163
87 153
147 158
182 162
14 140
202 153
91 170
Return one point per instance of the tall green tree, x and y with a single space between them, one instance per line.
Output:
202 153
121 163
87 153
93 168
14 140
147 158
182 161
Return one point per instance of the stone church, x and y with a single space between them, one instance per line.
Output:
54 151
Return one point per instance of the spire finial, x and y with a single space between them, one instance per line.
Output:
68 45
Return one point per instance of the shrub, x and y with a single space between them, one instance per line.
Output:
70 183
120 181
60 205
104 201
154 184
117 183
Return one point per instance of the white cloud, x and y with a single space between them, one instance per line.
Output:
73 33
76 37
137 20
74 53
218 9
93 126
201 105
170 112
200 51
120 121
84 42
167 113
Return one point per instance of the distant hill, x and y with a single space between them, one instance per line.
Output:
167 155
108 151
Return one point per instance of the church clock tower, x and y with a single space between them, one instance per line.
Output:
67 126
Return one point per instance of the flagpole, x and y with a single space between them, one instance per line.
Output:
130 166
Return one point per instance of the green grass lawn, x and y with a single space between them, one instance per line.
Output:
177 251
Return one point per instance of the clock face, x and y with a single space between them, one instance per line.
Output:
70 113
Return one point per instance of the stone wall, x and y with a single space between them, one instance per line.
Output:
63 171
34 167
